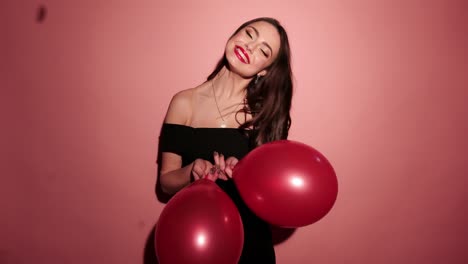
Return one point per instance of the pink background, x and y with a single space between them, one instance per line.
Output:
381 90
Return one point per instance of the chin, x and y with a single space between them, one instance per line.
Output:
236 66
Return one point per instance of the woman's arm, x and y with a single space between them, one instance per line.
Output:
173 176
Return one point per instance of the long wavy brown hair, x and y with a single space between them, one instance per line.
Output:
269 97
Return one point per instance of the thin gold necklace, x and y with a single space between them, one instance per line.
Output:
223 120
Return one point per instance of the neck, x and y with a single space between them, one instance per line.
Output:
230 85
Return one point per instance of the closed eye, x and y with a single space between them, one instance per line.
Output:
248 33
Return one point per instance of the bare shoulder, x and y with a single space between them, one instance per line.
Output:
180 108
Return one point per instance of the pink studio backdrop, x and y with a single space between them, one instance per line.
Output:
380 90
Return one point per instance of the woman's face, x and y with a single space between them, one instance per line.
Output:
253 49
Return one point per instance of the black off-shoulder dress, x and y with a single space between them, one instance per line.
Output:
192 143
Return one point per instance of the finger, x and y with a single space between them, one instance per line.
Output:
231 162
222 162
222 167
212 174
223 176
216 157
211 177
196 176
208 168
197 172
228 172
213 170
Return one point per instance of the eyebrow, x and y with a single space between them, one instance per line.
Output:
266 44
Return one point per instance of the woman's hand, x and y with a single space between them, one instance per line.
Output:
200 168
230 164
224 166
203 169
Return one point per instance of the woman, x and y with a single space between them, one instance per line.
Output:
244 103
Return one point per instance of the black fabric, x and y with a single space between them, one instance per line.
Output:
192 143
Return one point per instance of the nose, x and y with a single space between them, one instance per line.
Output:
250 46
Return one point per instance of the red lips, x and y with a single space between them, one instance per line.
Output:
241 54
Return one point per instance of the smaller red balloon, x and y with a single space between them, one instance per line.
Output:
200 224
287 183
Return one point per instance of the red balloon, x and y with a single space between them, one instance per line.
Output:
200 224
286 183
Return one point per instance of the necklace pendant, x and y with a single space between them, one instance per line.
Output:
223 125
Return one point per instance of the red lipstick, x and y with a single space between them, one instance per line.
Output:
241 54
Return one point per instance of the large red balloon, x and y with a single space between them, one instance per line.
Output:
286 183
200 224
